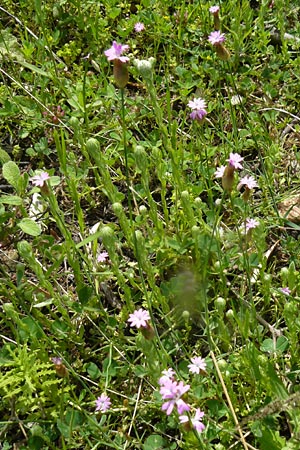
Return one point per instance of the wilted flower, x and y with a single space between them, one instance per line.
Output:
103 403
198 106
138 27
198 365
39 180
115 52
236 100
195 421
285 290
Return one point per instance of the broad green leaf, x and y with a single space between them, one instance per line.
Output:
11 173
30 227
4 156
11 200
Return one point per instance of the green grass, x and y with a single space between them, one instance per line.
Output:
132 175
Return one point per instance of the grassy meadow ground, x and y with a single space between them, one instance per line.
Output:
149 225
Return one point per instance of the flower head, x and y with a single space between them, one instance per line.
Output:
198 106
139 318
39 180
285 290
197 365
220 172
56 360
60 368
236 100
250 224
172 391
103 403
216 38
138 27
235 160
102 257
197 103
116 51
167 375
248 181
196 420
214 9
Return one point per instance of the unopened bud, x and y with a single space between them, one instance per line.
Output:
222 52
228 178
120 73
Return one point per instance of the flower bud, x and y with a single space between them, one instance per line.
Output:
228 178
222 52
120 73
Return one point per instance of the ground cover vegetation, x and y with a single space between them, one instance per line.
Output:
149 214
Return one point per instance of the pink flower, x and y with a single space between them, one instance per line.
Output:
116 51
198 106
167 375
56 360
196 420
197 365
285 290
138 27
172 391
103 403
39 180
251 224
247 181
214 9
220 172
235 160
216 38
139 318
102 257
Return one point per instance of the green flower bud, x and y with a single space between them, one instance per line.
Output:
141 158
145 66
220 303
117 208
93 146
143 210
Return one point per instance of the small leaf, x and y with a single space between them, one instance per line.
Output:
93 370
267 346
30 227
282 344
154 442
4 156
